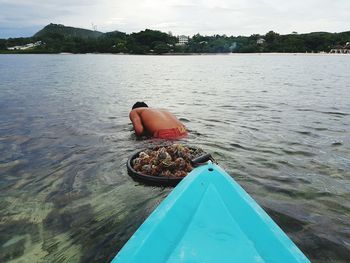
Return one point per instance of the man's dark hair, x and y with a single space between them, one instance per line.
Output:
139 105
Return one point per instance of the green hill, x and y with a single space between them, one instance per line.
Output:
56 38
66 31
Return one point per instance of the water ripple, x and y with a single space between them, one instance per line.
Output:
278 124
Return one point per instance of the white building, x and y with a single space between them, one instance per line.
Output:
338 49
24 47
260 41
183 40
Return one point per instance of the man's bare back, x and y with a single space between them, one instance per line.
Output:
158 123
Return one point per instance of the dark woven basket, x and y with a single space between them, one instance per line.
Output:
158 180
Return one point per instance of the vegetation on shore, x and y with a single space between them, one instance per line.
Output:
58 38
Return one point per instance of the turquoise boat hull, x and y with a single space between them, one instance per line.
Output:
208 217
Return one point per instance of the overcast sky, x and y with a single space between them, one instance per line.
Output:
230 17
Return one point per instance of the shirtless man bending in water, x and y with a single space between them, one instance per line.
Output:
156 122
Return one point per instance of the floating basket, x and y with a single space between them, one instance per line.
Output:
161 180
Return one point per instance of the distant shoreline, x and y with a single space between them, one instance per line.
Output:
177 54
56 38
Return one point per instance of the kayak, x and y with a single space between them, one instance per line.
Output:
208 217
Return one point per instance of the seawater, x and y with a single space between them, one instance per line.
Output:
278 123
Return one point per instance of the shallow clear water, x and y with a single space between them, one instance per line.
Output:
279 124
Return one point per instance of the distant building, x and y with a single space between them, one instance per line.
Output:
338 49
24 47
260 41
183 40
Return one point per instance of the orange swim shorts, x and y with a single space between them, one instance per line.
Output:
174 133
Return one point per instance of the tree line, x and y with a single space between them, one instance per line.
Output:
157 42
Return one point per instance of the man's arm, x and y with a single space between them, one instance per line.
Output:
136 122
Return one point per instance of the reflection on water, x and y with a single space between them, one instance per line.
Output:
278 124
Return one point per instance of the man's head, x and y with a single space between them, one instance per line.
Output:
139 105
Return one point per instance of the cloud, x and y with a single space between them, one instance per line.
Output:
19 15
231 17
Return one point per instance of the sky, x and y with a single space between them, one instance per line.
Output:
23 18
